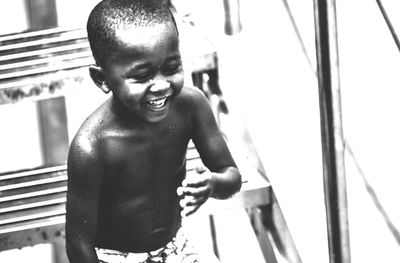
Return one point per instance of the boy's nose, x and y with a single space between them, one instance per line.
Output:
159 85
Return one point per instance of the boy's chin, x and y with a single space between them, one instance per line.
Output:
154 117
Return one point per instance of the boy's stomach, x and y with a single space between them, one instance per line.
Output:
144 224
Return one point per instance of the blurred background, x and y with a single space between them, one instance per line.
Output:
265 56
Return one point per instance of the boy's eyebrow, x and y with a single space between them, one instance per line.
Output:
139 66
174 57
136 67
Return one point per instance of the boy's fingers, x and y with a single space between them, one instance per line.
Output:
197 179
195 202
179 190
188 210
194 182
196 191
192 201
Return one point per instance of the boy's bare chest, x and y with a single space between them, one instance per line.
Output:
135 159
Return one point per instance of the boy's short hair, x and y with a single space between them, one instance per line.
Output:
110 15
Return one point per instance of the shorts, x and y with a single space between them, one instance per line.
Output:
178 250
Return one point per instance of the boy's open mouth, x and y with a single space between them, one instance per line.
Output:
157 103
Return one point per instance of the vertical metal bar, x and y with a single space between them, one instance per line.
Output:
331 130
233 24
214 236
42 14
53 126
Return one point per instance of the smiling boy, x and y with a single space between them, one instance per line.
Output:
127 160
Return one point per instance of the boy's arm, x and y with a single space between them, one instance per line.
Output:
214 152
85 176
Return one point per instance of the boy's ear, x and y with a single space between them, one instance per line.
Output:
99 78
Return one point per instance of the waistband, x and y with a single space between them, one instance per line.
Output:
175 251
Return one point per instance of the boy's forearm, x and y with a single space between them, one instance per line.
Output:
226 183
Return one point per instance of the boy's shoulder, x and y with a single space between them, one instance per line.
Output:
191 96
190 92
91 129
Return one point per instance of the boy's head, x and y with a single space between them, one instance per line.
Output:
136 47
109 16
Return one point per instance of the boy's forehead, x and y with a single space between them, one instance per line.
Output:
137 35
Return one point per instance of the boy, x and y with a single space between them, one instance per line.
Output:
127 161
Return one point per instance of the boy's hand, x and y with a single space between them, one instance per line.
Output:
196 188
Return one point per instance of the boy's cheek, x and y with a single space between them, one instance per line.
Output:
178 82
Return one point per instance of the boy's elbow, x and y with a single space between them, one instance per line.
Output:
230 185
237 181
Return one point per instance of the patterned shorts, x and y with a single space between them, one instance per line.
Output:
178 250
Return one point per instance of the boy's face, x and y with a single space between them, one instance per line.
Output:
145 73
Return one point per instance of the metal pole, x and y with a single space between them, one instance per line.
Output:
389 24
331 130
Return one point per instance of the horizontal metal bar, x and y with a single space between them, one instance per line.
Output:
34 183
52 169
192 154
33 194
42 222
32 189
64 65
51 213
47 60
193 159
30 178
35 33
46 78
67 36
33 205
193 163
45 51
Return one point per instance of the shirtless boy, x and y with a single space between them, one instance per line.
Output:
127 160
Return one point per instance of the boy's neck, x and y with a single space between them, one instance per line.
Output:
122 114
127 118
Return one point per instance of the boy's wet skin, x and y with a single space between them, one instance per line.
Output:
128 158
140 208
143 138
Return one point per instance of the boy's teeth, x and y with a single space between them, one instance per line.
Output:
157 103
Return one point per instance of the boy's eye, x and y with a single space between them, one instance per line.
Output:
141 77
172 68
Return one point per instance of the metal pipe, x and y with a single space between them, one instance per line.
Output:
331 130
389 24
298 35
